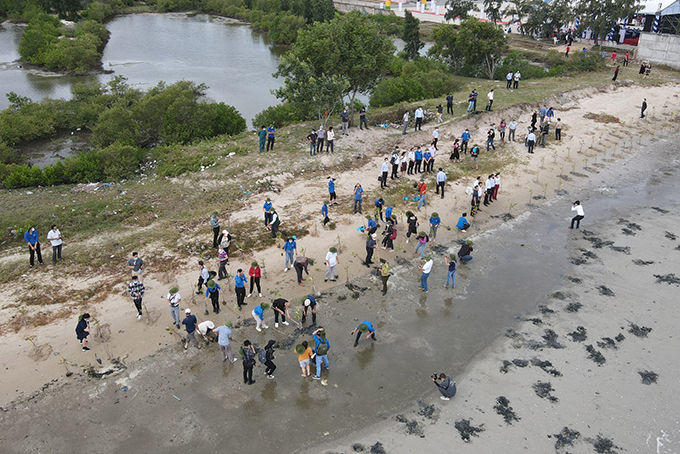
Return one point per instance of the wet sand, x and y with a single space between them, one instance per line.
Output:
374 391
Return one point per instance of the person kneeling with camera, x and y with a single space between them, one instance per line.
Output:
446 386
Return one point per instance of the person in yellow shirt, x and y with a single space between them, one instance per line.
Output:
304 357
384 274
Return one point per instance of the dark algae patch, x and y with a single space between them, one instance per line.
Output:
544 391
639 331
520 362
358 447
604 290
667 278
505 366
575 280
467 430
595 355
607 342
377 448
648 377
642 262
620 338
426 410
590 255
579 335
660 210
671 236
535 321
573 307
559 295
545 310
624 249
604 445
412 427
565 438
546 366
628 232
504 409
550 338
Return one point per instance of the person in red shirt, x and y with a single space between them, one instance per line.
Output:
566 54
422 190
255 273
626 58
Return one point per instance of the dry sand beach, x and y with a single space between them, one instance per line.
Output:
535 293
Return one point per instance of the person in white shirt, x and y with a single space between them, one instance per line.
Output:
580 214
435 137
531 141
441 181
206 330
331 262
330 136
54 237
385 169
173 300
512 128
480 194
426 268
516 79
508 79
404 162
497 185
411 161
405 123
490 103
419 114
488 190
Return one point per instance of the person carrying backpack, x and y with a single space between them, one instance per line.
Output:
390 234
322 347
266 357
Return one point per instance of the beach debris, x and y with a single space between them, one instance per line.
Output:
177 398
565 438
595 355
573 307
604 290
638 330
667 278
411 426
97 358
648 377
603 445
467 430
642 262
504 409
358 447
579 335
544 391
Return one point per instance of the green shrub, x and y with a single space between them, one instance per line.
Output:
277 115
412 85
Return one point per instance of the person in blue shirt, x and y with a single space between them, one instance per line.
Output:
464 139
271 132
427 156
379 203
331 190
324 213
258 315
290 249
31 237
435 221
191 324
267 212
364 327
358 191
212 291
463 223
372 225
240 281
321 350
388 214
309 304
419 159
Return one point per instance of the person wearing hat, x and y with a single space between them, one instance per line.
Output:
31 238
275 222
258 315
321 351
281 307
224 261
83 330
240 282
266 208
173 300
206 330
300 265
290 249
422 240
304 357
384 274
249 355
270 367
136 291
203 278
451 276
331 262
370 248
309 304
212 291
255 274
435 222
372 225
465 251
191 324
215 224
223 337
324 213
426 268
364 327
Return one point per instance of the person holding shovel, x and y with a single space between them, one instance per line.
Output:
258 315
83 330
281 307
300 265
191 325
309 304
364 327
223 337
212 291
136 291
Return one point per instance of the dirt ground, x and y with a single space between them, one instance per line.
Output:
579 164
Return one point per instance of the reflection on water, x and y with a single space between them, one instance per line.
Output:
44 152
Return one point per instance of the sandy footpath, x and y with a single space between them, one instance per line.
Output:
26 367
